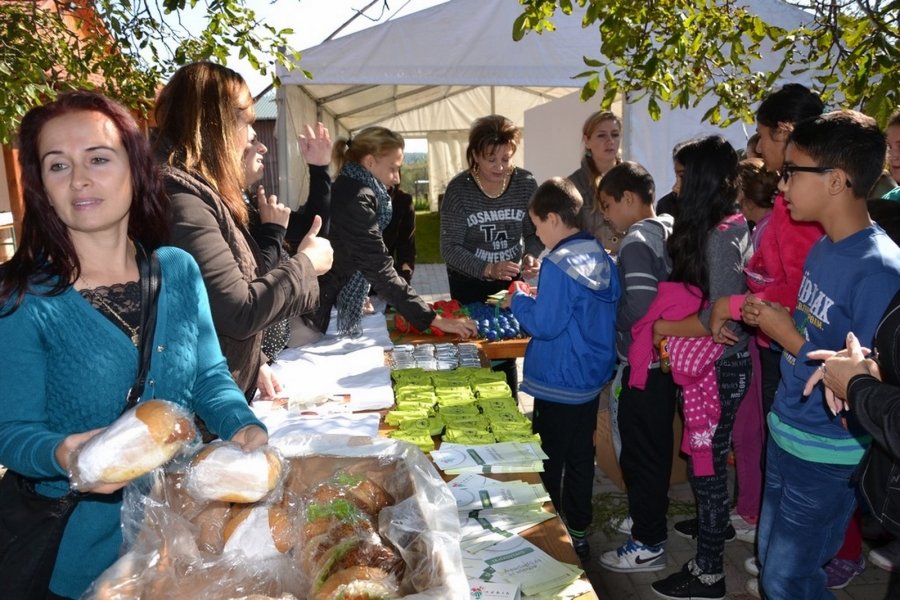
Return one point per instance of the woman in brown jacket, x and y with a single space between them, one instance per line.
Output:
203 116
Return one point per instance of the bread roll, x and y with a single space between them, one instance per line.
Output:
224 471
142 439
325 516
358 583
258 532
210 523
367 495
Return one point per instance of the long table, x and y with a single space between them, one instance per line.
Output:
551 535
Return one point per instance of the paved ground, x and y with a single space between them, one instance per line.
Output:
431 282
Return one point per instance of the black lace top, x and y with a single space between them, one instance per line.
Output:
118 302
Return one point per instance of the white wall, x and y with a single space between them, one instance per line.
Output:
553 136
650 142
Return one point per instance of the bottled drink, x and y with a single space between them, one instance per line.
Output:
664 364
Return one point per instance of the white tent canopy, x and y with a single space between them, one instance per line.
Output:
432 73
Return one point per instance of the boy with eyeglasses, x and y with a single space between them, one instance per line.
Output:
831 164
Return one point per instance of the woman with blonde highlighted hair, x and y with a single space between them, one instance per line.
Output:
204 115
367 165
601 135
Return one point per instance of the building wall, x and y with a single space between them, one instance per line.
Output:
265 130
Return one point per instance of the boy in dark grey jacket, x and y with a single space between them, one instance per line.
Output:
644 415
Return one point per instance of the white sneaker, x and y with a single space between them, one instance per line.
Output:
887 557
623 525
743 530
751 565
752 587
633 556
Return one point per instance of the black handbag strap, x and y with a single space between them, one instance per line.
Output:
150 280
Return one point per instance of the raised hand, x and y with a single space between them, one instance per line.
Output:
316 145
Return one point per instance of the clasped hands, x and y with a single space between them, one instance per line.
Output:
770 317
838 369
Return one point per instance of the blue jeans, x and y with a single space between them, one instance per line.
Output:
805 510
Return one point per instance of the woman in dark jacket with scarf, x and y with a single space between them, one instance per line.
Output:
367 166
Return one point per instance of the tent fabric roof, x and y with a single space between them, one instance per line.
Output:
431 73
413 74
437 54
461 42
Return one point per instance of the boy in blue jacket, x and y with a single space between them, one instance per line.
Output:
572 352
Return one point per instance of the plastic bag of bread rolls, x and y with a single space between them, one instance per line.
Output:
141 439
223 471
354 517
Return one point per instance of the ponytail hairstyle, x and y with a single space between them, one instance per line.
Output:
46 255
708 194
376 141
790 104
757 184
199 116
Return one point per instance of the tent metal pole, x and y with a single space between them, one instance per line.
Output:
281 137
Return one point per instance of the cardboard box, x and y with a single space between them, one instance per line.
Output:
609 464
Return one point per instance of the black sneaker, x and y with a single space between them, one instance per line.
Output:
683 584
688 529
582 549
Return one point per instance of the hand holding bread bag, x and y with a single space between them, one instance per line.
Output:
226 472
140 440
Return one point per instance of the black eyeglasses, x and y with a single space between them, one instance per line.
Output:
788 170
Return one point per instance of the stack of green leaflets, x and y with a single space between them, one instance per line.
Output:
415 416
470 406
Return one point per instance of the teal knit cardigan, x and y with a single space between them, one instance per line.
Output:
66 369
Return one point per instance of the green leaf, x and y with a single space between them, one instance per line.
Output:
590 87
653 109
519 28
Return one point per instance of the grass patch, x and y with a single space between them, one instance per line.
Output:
428 238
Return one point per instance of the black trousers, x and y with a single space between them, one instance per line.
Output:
645 427
770 365
567 437
711 492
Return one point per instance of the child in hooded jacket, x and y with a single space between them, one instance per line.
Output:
572 354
